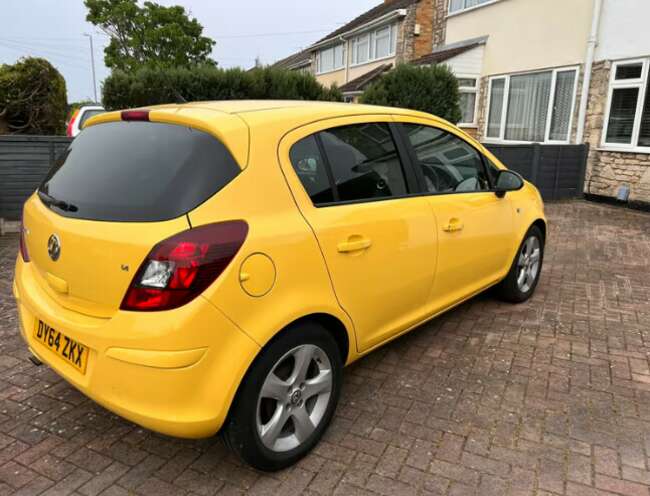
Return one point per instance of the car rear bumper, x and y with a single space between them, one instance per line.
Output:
175 372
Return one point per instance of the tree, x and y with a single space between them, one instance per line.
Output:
152 35
32 98
431 89
155 85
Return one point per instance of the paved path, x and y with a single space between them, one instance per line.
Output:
547 398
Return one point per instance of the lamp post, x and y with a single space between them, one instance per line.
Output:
92 62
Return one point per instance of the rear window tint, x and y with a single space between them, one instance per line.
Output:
138 172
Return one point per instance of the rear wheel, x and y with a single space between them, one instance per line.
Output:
287 399
521 281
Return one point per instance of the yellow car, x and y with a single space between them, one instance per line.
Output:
213 266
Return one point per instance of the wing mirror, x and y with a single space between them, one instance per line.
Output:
507 180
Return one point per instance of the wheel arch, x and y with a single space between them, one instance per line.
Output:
541 224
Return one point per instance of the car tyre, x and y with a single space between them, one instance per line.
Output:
287 399
522 279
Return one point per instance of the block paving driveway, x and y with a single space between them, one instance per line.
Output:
551 397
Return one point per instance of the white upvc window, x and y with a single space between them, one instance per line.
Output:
532 107
330 59
627 118
376 45
468 87
461 5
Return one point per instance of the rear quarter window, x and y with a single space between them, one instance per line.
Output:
138 172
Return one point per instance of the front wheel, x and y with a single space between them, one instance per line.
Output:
287 399
521 281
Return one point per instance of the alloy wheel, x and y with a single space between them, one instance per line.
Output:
294 398
528 264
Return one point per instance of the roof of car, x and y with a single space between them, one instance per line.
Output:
333 109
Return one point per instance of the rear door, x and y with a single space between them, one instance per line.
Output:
379 242
120 188
475 226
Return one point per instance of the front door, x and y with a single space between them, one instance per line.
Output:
474 225
379 243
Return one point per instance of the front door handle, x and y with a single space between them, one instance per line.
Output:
454 225
354 243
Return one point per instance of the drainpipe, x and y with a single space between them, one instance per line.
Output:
589 62
347 58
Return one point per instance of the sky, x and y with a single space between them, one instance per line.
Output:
243 30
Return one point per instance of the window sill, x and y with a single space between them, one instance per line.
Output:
472 9
496 141
392 56
464 125
614 149
329 72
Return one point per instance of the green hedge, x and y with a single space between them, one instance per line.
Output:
32 98
431 89
150 86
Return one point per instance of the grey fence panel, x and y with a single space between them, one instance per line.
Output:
24 161
558 171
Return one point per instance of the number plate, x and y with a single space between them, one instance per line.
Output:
70 350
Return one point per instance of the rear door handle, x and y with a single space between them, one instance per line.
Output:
354 243
454 225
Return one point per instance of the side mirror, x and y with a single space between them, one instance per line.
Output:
507 180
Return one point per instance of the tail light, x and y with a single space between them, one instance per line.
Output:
23 245
180 268
71 123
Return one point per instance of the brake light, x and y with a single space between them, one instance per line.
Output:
180 268
71 123
135 115
23 244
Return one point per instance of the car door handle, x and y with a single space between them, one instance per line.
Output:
354 243
454 225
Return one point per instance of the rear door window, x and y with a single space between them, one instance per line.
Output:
364 162
138 172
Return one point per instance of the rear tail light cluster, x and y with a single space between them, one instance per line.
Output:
71 123
180 268
23 244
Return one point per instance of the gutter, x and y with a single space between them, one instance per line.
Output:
375 22
589 63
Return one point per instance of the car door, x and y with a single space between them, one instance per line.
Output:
474 225
379 243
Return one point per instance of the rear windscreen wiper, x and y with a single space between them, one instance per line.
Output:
51 201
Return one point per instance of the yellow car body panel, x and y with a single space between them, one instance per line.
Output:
178 371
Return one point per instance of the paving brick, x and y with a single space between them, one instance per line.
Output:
547 398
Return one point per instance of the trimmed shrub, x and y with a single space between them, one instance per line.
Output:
431 89
151 86
32 98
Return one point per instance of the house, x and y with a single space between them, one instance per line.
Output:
554 72
617 124
357 53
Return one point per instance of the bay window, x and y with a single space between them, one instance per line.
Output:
627 120
533 107
378 44
330 59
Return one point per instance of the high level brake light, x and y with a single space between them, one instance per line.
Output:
180 268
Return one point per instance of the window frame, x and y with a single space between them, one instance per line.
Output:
549 112
642 85
335 66
464 9
470 89
413 175
372 45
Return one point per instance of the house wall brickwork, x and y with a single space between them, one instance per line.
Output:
607 170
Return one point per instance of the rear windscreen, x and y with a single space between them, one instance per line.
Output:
137 171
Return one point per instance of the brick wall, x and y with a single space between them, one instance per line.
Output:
430 15
607 171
